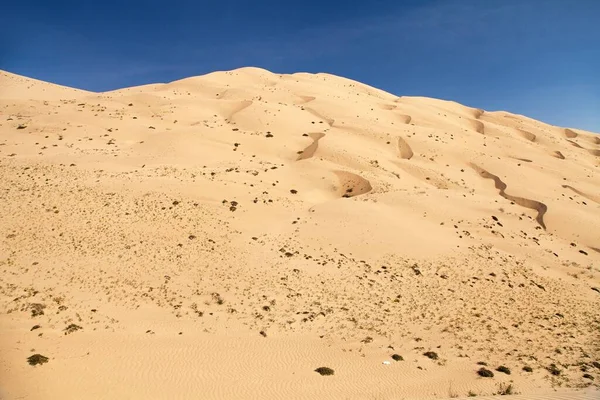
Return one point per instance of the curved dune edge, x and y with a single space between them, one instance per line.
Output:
595 199
428 176
352 185
309 151
569 133
405 118
405 150
478 126
592 139
241 106
388 107
306 99
317 114
478 112
527 135
593 152
522 159
540 207
558 154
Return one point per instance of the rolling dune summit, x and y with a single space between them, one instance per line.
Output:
245 234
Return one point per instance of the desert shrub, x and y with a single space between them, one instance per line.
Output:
504 369
324 371
37 359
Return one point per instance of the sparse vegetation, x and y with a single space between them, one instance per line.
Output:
72 328
37 359
431 354
36 309
325 371
527 369
505 389
485 373
553 369
397 357
503 369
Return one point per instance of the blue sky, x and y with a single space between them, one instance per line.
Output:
540 58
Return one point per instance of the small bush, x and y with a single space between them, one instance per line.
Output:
506 390
485 373
472 394
397 357
504 369
431 354
527 368
72 328
324 371
37 359
36 309
553 369
482 363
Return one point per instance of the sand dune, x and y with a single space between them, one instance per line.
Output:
224 236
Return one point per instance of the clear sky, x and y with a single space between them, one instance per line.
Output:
540 58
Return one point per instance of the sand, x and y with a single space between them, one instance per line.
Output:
222 236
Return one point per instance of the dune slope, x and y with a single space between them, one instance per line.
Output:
223 236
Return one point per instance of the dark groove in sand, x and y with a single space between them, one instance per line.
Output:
352 185
540 207
595 199
309 151
329 121
527 135
570 134
405 150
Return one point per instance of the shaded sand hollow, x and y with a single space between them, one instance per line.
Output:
223 236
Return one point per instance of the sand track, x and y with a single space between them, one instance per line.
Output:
540 207
352 185
309 151
329 121
588 196
405 150
425 175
